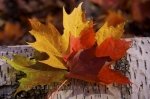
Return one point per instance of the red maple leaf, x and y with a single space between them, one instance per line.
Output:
85 65
108 76
114 48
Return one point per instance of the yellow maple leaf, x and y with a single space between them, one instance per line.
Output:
49 40
74 23
113 27
109 31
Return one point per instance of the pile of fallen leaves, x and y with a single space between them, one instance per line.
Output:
80 53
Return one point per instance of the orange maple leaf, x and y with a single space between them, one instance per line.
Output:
86 40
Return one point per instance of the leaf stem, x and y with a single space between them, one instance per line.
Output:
51 95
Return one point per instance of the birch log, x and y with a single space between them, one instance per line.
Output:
138 66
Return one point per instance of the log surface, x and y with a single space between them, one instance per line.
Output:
138 57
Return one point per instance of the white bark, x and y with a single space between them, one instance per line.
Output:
139 73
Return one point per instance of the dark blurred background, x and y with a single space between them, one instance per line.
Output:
14 15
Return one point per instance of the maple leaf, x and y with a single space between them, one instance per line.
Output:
85 40
74 23
85 66
108 76
48 40
114 48
113 29
87 37
109 31
36 73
